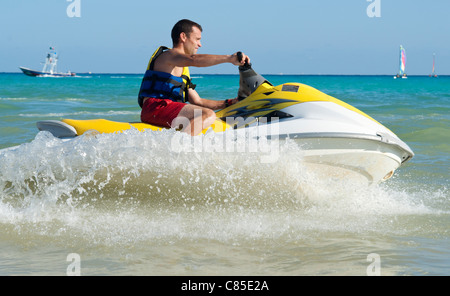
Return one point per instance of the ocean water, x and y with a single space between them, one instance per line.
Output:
125 204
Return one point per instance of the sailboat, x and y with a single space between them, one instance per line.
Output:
402 66
49 69
433 74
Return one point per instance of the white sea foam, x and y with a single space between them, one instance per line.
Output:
132 186
81 113
14 99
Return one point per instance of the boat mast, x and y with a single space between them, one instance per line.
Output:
432 72
50 62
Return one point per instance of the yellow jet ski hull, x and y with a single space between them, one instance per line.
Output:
104 126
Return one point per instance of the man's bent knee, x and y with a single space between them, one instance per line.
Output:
209 116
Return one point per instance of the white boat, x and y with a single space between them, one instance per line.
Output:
337 140
402 64
49 69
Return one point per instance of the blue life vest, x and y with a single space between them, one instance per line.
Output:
162 85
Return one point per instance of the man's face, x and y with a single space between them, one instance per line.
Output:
192 42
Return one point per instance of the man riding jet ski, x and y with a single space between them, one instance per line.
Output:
335 137
167 96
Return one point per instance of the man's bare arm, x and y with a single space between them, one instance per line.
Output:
194 98
202 60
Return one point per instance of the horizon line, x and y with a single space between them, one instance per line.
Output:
225 74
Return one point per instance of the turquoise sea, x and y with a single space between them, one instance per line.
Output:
126 205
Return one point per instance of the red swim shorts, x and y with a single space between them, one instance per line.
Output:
160 112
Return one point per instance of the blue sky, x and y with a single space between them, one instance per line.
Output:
284 36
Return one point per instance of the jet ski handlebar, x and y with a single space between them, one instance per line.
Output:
246 66
249 80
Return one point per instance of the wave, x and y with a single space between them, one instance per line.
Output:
81 113
13 99
134 187
34 99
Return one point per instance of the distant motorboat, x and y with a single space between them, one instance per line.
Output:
49 69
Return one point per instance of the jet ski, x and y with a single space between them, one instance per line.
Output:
336 139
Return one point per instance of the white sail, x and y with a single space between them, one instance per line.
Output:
402 67
433 73
402 64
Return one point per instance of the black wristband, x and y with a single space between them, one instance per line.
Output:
227 103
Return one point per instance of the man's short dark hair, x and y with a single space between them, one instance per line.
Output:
183 26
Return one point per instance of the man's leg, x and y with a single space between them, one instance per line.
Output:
194 119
